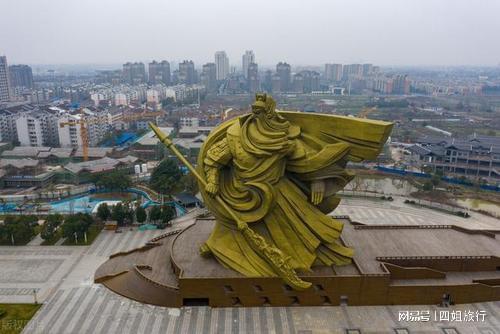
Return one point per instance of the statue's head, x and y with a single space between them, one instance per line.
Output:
264 105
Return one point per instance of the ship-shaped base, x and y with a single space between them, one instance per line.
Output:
393 264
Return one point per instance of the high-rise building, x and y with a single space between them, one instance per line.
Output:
187 74
21 76
401 85
134 73
209 77
298 83
247 59
306 82
38 128
267 84
284 72
253 78
222 65
276 84
159 72
367 70
352 71
4 80
333 72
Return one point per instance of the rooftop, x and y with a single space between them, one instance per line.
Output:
18 163
150 138
94 152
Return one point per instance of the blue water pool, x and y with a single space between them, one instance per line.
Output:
83 204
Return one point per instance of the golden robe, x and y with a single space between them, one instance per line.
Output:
264 174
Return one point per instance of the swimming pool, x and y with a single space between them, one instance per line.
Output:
83 204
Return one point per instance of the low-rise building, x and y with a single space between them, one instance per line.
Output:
473 156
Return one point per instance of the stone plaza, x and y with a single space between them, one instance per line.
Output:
62 278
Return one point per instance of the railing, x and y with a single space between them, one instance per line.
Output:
137 269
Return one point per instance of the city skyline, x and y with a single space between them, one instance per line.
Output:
387 32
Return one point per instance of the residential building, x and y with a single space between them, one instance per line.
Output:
209 77
4 80
134 73
401 85
155 95
383 85
189 122
276 85
185 93
367 69
333 72
37 128
69 133
253 81
247 59
221 65
352 71
21 76
298 83
159 72
284 72
267 84
187 74
306 82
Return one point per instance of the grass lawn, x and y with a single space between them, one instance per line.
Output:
16 317
92 233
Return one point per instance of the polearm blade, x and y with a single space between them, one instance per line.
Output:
273 255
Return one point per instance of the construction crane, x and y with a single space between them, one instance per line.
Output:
84 135
366 111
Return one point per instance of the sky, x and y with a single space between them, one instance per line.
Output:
301 32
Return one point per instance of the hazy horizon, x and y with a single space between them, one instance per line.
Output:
412 33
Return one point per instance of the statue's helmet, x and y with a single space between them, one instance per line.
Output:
264 104
260 103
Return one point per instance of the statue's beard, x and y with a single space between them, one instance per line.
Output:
264 134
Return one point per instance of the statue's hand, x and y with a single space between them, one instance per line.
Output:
212 189
317 191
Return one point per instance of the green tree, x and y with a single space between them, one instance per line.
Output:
155 213
48 231
19 229
115 180
435 179
428 186
167 213
140 214
189 183
165 178
118 213
75 226
49 228
103 211
55 219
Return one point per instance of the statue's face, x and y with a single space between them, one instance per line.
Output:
258 108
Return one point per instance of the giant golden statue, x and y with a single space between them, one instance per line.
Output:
270 179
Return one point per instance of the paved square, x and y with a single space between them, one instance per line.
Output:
28 270
74 304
